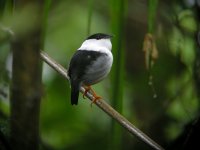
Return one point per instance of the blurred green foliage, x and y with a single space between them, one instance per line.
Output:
66 26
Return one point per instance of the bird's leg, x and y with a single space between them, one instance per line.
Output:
87 88
96 97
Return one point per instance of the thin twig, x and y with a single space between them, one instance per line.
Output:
104 106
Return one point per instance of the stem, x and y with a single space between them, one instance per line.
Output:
90 10
152 14
104 106
117 24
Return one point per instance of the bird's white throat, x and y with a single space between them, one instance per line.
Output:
100 45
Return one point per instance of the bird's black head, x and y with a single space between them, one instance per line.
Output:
99 36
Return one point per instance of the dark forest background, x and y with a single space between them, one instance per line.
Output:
154 82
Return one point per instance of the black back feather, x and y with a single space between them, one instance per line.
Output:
77 67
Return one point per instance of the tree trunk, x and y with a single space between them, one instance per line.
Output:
26 87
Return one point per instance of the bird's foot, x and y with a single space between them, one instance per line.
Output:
87 88
95 99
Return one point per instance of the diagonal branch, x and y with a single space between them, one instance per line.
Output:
104 106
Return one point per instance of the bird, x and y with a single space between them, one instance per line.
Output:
90 64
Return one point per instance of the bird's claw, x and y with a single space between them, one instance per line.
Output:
87 89
96 98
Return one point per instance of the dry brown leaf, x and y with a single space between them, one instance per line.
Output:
150 50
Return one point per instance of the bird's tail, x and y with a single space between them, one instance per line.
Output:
74 93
